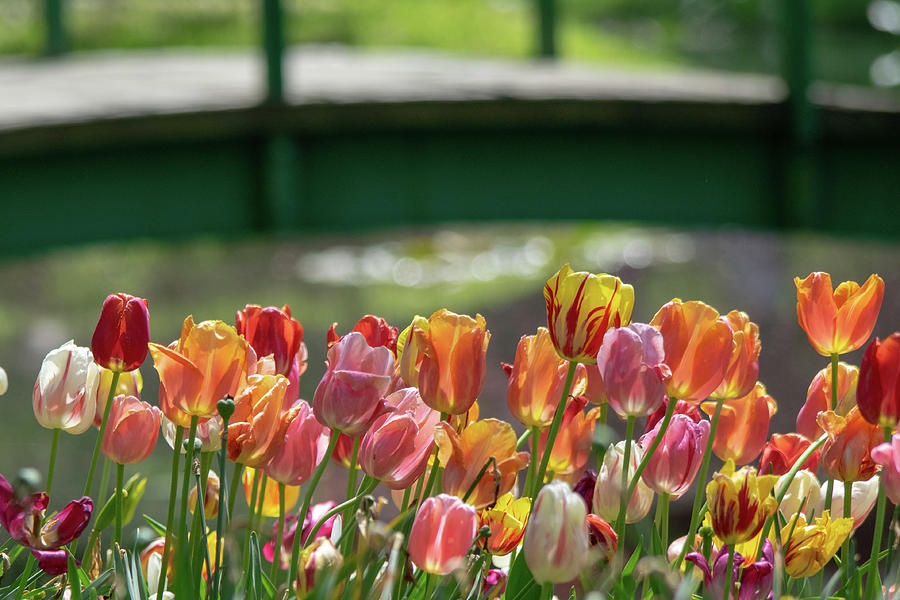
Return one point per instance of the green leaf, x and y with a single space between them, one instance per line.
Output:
632 562
100 586
521 584
155 525
255 581
107 514
74 579
134 491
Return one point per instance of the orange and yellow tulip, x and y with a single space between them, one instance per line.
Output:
743 369
743 425
581 306
812 545
258 426
846 453
573 442
506 520
444 356
464 455
818 398
698 347
839 320
739 503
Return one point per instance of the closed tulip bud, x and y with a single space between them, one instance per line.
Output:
349 396
316 561
99 381
442 533
537 379
268 496
809 546
122 333
209 433
581 307
131 431
630 362
302 449
837 321
818 398
258 426
878 393
59 397
506 520
698 346
845 455
464 456
572 447
210 496
494 583
674 465
743 425
556 542
444 356
396 447
804 494
376 330
271 331
739 503
888 456
208 362
608 489
743 369
782 451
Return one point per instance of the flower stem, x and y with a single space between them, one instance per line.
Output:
224 503
236 477
109 397
523 438
662 512
173 492
624 497
670 409
120 478
554 430
279 535
251 519
873 581
532 464
104 479
182 549
845 549
351 476
50 469
729 573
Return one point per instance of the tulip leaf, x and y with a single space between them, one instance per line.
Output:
155 525
99 586
134 491
259 584
107 514
74 579
521 583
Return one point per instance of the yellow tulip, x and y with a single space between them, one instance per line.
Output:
739 502
812 545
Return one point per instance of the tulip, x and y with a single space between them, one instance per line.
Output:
878 393
743 370
207 363
316 512
210 496
812 545
572 447
698 346
739 502
343 450
743 425
674 465
444 357
888 456
317 560
151 550
584 487
271 330
581 307
59 397
442 533
818 398
463 457
841 320
349 396
494 584
782 451
303 447
131 431
396 447
845 455
608 489
537 378
23 519
506 520
556 542
753 581
4 381
97 386
257 427
209 433
269 499
376 330
602 536
122 333
863 495
804 494
630 362
681 408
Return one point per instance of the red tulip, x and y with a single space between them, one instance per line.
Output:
878 392
375 329
782 451
271 331
122 333
22 518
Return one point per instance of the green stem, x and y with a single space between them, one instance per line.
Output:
405 503
279 535
236 477
50 469
662 509
624 498
873 581
546 591
351 475
295 553
261 504
701 485
532 464
251 520
200 548
845 548
670 409
523 438
23 578
173 492
729 573
435 465
224 501
479 476
120 482
109 397
183 550
554 430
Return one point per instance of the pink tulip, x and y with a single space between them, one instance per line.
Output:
888 456
442 533
556 543
396 447
304 447
131 431
630 361
59 399
349 397
674 464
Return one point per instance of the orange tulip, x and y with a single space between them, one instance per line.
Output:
698 348
506 520
463 456
258 426
818 398
207 363
743 425
443 356
743 370
841 320
846 453
537 378
270 497
581 307
573 443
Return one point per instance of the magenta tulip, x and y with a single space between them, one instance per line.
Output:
673 466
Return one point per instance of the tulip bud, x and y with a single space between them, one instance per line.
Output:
556 542
122 333
878 392
803 495
302 448
845 455
888 456
210 497
271 331
739 502
506 522
809 546
258 426
608 490
630 362
743 425
818 398
131 431
317 560
376 330
59 398
675 463
442 533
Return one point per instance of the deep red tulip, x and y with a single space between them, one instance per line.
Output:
376 330
122 333
878 392
271 330
782 451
